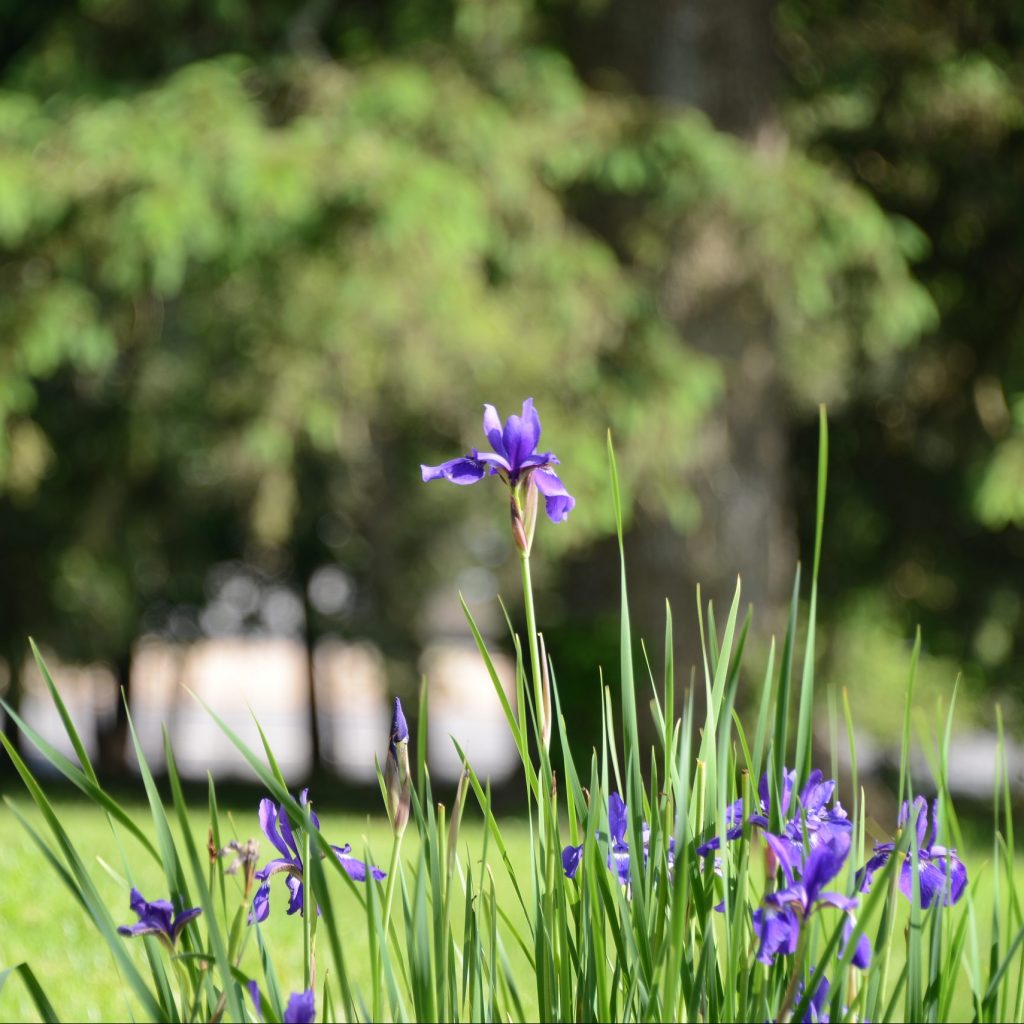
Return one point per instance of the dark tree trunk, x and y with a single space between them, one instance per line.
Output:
13 698
718 56
112 732
310 637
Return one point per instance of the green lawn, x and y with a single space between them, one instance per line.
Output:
41 924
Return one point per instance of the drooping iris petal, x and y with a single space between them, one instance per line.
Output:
301 1008
558 502
880 857
957 874
183 919
296 895
260 909
288 836
778 931
459 471
862 954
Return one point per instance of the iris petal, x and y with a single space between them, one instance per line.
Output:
260 904
459 471
268 822
183 919
492 430
558 502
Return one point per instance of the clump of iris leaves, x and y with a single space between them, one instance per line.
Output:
756 898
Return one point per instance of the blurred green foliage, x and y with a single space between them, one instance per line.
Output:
922 104
259 260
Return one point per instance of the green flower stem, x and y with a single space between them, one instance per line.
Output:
390 891
184 986
531 629
795 978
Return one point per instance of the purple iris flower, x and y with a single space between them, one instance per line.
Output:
618 853
810 816
157 918
301 1008
934 862
778 923
277 828
514 458
822 865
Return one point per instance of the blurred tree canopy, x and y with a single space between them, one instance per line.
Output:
261 259
922 103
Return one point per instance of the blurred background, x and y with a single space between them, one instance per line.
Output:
259 260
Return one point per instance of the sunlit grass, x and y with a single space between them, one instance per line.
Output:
42 924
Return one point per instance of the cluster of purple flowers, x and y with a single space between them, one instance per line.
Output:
158 918
811 847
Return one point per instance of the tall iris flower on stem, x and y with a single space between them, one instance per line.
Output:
157 918
941 874
516 461
277 828
526 473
